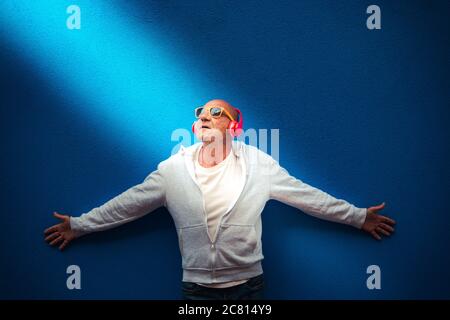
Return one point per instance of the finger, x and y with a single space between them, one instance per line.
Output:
59 216
376 235
52 236
385 232
388 220
64 244
56 240
51 229
387 227
378 207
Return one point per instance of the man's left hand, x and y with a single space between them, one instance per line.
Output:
377 224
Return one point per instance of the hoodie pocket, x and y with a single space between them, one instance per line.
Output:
237 245
194 247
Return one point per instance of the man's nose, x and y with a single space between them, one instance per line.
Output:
205 116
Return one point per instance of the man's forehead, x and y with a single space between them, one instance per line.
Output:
218 103
222 103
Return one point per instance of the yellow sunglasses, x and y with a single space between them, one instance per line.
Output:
215 112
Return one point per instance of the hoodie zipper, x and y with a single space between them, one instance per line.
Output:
230 209
211 240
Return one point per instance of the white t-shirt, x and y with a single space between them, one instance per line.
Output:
220 185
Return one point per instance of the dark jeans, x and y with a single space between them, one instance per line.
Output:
253 289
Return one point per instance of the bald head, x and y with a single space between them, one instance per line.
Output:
223 104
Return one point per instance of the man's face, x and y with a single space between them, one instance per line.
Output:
208 128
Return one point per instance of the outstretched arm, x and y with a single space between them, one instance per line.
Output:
128 206
296 193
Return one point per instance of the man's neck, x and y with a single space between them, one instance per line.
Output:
212 153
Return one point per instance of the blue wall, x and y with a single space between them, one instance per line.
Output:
363 115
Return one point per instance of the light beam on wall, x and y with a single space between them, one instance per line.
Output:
132 83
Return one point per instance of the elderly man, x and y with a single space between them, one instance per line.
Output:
215 191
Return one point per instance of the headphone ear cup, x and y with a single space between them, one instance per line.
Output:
237 131
193 127
239 125
233 126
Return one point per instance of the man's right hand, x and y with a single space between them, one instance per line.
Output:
60 232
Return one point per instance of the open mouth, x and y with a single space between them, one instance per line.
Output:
205 127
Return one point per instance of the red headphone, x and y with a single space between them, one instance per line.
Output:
235 127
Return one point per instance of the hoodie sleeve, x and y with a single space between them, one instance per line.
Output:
127 206
294 192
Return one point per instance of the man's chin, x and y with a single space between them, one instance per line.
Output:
207 138
203 137
209 135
